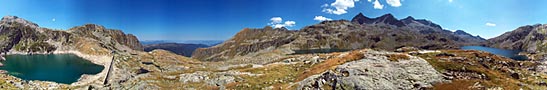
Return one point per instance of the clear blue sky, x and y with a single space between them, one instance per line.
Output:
221 19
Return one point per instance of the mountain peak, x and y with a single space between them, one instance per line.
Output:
459 31
14 19
409 18
389 15
389 19
385 19
360 19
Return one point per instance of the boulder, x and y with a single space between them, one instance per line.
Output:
376 73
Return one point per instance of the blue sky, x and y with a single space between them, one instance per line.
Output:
221 19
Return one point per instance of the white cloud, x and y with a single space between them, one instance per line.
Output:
377 5
277 22
53 19
290 23
450 1
369 0
490 24
321 18
340 6
394 3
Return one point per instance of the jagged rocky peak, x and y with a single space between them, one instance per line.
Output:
389 19
360 19
15 19
388 16
409 18
384 19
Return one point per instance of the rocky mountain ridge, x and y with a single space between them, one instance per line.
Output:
21 36
530 38
178 48
385 32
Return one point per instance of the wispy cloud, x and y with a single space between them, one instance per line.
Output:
321 18
490 24
450 1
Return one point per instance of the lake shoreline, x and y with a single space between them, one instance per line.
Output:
85 79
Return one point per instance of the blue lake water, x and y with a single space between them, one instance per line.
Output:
513 54
60 68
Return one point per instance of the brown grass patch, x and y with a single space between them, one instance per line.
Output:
397 57
496 77
329 64
455 85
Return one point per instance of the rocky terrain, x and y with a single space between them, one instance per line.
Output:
178 48
265 58
385 32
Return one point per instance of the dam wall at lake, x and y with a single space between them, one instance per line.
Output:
109 71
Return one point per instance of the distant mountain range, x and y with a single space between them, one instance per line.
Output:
180 47
384 32
204 42
177 48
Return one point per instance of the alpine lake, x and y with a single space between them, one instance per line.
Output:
513 54
59 68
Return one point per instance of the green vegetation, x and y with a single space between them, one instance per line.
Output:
34 46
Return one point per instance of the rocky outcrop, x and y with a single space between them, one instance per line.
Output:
178 48
245 42
530 38
375 72
113 36
19 35
15 19
385 32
